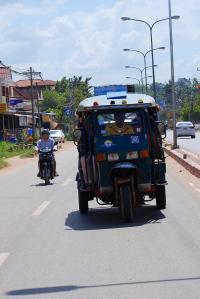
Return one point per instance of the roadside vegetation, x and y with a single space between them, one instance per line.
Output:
187 93
68 93
8 150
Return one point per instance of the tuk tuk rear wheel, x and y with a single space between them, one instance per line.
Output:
47 182
126 203
83 198
160 197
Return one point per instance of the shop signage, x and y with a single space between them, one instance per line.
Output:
23 121
16 103
3 108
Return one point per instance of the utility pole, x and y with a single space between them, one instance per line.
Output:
30 74
38 108
32 104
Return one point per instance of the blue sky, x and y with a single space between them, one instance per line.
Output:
86 37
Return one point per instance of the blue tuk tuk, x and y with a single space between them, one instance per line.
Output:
121 159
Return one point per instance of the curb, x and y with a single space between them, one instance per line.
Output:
191 166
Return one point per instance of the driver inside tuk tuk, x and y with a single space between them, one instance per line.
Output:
119 127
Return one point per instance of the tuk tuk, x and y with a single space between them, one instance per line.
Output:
121 159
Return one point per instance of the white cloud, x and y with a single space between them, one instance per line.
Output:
91 43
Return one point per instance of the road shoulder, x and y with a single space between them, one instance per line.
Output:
17 162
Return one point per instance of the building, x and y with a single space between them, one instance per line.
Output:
16 104
6 84
24 88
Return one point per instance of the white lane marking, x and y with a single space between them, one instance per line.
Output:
41 208
198 190
3 258
66 182
191 184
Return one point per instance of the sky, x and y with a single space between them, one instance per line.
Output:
86 38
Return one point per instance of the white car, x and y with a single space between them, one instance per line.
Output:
185 128
57 135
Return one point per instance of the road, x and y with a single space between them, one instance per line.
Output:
47 250
187 143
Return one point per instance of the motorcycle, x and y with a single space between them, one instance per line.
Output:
45 163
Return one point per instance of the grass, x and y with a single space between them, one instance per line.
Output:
8 150
28 153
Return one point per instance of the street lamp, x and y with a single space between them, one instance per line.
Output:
139 81
151 38
144 56
141 72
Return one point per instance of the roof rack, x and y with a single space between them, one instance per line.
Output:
107 102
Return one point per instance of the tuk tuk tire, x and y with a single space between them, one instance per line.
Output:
160 197
47 182
126 203
83 202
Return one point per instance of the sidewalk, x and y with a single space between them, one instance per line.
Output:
188 160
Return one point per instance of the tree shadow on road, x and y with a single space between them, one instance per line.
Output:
107 218
69 288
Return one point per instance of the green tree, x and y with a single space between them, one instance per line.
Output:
51 100
68 93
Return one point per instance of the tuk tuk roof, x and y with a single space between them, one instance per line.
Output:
131 100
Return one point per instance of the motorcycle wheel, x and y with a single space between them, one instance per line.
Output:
46 178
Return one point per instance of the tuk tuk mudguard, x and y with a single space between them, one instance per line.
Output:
124 173
143 172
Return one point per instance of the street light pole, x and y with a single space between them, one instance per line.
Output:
172 77
145 73
144 56
139 81
151 38
152 59
141 71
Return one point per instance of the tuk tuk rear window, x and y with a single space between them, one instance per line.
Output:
119 123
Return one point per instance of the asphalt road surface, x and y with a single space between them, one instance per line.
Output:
47 250
187 143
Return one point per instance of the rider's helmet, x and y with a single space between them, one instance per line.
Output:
45 132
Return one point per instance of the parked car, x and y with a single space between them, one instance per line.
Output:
185 128
57 135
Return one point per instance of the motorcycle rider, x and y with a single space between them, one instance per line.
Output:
48 142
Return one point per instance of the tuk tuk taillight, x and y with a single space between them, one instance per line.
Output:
100 157
132 155
144 153
113 157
